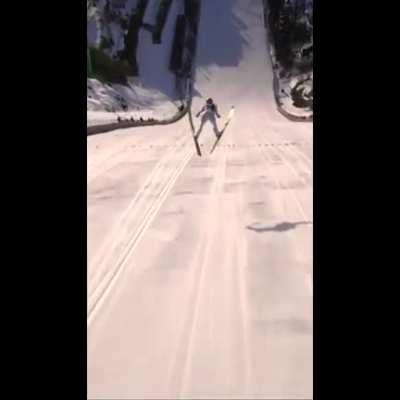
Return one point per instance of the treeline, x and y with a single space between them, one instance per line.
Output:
161 18
132 37
125 64
104 68
192 16
292 33
176 60
184 44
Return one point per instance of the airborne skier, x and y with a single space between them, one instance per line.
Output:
210 110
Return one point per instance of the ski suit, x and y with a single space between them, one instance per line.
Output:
210 111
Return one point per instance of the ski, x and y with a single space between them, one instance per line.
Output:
227 121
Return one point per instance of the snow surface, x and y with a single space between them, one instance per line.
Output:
285 98
200 268
138 99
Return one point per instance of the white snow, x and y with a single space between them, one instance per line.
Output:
138 99
200 268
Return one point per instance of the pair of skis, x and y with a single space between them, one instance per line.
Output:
228 120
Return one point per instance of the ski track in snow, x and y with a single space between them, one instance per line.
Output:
139 214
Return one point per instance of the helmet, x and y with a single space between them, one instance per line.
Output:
209 101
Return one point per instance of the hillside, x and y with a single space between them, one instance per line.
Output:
129 50
200 266
290 25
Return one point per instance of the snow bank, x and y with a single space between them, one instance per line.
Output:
106 101
153 93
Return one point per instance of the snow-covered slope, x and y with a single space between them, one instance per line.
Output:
108 101
154 58
153 91
200 268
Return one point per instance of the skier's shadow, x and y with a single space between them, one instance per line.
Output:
282 227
